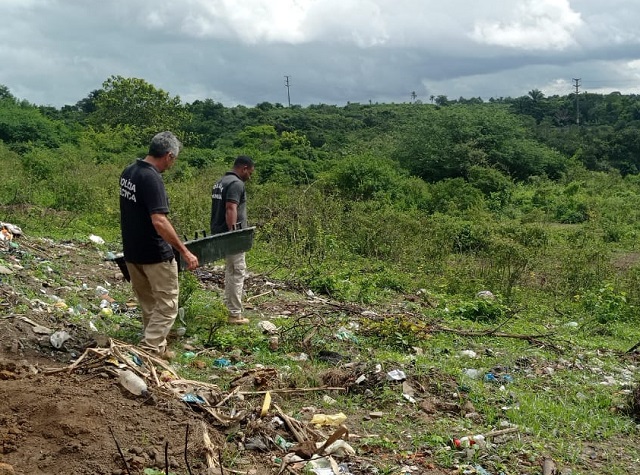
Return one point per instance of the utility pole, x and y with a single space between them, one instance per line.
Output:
286 84
577 86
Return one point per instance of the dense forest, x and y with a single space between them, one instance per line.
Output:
531 197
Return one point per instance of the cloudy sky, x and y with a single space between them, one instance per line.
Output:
55 52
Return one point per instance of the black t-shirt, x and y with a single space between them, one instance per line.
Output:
142 193
229 188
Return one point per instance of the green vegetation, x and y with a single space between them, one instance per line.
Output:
410 207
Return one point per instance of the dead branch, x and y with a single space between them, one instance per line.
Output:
166 457
228 396
292 425
253 297
533 339
220 462
633 348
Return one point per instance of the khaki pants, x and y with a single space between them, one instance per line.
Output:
234 272
156 287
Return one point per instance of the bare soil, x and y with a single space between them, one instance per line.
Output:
58 417
63 422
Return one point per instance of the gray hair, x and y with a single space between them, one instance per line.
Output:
163 143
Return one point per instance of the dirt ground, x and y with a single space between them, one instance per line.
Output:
80 422
62 412
73 424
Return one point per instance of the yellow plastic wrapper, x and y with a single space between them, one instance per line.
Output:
329 419
266 404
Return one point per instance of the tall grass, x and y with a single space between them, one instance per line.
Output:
318 233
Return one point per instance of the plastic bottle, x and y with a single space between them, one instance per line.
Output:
133 383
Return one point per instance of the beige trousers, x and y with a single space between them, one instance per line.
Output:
156 287
234 273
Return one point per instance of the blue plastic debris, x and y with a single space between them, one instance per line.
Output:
480 470
499 378
490 377
222 362
193 399
136 359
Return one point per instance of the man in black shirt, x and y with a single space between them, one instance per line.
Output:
148 239
229 212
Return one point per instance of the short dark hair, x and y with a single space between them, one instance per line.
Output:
243 161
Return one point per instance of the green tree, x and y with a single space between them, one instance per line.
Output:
5 94
261 138
23 123
442 100
448 142
210 121
366 177
136 103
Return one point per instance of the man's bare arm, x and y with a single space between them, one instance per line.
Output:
166 231
231 215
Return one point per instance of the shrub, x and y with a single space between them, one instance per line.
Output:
205 314
606 305
480 310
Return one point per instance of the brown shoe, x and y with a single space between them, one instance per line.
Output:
238 320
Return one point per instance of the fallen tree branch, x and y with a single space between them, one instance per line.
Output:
292 425
228 396
253 297
533 339
166 457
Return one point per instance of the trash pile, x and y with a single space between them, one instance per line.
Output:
316 444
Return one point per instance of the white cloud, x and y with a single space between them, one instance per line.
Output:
634 66
238 51
359 22
536 25
251 21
